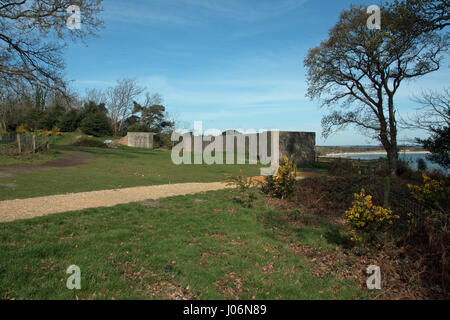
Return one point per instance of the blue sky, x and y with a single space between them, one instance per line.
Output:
228 63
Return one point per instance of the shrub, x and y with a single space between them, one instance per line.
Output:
421 165
85 142
70 121
21 129
50 118
282 185
163 140
434 197
243 184
341 167
365 219
404 170
139 127
96 124
429 227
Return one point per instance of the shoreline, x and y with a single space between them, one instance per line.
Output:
372 153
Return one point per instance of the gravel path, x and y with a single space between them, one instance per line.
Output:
33 207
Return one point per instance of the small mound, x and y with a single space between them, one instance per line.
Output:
84 142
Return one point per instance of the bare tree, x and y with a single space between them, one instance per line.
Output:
33 34
428 14
152 99
119 101
434 111
6 107
434 117
95 95
359 71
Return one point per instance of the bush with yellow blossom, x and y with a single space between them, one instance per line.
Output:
282 185
432 192
43 143
21 129
365 219
434 197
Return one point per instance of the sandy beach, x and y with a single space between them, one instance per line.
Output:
339 154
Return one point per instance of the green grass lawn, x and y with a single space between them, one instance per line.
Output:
38 158
66 139
203 246
104 168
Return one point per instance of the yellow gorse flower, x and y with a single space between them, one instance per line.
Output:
430 189
284 180
364 216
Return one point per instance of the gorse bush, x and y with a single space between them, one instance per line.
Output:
365 219
432 193
433 220
282 185
244 187
23 128
429 228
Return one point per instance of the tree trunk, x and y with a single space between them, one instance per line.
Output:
3 125
392 153
392 157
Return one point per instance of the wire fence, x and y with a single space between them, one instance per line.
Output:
8 137
18 143
362 166
406 205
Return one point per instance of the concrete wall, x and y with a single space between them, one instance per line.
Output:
140 139
299 144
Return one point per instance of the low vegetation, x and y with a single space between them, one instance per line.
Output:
86 142
412 234
282 184
204 246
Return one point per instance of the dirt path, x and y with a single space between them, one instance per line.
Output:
33 207
17 209
69 159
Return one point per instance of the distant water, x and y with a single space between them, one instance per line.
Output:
410 158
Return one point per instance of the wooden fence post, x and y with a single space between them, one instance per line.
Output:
34 143
18 143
